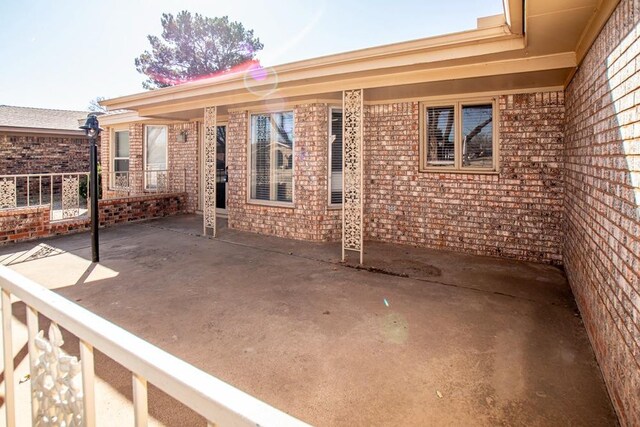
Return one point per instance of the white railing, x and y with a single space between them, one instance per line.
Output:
66 193
218 402
132 183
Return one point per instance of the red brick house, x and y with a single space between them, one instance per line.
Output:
517 139
41 140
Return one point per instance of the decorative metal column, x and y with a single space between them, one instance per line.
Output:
210 166
352 199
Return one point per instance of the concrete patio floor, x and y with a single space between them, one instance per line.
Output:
424 338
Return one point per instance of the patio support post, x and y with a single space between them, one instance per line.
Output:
210 166
352 189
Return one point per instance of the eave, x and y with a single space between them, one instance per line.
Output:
425 52
40 131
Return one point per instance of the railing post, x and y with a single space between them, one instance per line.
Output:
51 180
32 328
7 338
140 404
88 383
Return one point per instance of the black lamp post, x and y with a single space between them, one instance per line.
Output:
92 130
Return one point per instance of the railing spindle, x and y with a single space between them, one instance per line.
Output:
140 404
88 383
7 338
32 328
40 190
28 188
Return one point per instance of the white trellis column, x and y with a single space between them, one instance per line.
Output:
210 165
352 189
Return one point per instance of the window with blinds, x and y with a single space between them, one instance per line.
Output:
335 157
155 154
272 145
121 152
459 136
440 137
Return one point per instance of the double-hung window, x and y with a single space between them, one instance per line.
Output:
155 157
120 158
271 148
335 156
459 136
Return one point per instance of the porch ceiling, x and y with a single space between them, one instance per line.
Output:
496 56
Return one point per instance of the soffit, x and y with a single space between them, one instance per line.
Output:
554 29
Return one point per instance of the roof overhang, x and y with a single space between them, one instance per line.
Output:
41 131
537 44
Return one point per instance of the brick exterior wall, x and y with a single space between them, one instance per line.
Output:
34 222
182 161
515 214
602 245
310 217
31 154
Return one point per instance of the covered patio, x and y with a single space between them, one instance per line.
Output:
419 337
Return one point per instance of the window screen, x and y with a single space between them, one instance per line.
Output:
156 156
156 148
272 157
477 136
335 157
440 150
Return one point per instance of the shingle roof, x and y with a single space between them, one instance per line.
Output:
41 118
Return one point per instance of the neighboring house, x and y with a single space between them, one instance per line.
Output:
517 139
40 140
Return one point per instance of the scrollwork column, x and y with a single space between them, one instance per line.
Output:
210 157
352 203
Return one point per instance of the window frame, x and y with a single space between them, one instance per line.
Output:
333 108
144 154
457 105
274 203
112 155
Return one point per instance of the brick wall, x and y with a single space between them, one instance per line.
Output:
30 154
602 246
515 214
182 162
309 218
34 222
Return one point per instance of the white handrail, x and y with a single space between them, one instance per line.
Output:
215 400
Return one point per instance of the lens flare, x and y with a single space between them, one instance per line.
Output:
261 81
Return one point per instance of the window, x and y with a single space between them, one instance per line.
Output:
271 175
458 136
335 156
155 156
120 152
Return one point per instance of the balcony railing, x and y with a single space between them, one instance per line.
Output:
66 193
62 387
133 183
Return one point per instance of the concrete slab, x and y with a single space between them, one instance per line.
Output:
426 338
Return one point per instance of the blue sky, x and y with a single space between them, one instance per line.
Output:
62 54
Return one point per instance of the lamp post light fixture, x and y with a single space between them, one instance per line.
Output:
92 130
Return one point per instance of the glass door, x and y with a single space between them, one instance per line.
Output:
221 169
